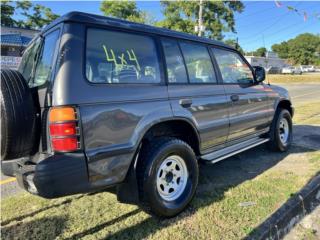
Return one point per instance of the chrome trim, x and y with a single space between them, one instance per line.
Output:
236 152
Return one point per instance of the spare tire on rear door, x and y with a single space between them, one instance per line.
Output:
18 116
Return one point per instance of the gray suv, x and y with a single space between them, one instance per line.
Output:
103 103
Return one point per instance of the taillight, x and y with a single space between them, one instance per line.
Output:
63 129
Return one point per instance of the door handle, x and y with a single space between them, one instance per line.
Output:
185 102
234 98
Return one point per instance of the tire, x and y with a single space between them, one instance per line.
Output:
152 160
18 116
281 125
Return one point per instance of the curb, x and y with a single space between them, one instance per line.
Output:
291 212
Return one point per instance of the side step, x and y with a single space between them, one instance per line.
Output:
233 150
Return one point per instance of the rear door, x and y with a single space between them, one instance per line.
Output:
249 103
193 91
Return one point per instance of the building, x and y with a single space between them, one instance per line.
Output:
270 60
13 41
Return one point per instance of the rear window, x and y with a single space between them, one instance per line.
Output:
118 57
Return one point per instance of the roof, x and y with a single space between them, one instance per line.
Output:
14 40
81 17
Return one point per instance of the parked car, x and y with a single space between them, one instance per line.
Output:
104 103
291 70
308 68
311 69
273 70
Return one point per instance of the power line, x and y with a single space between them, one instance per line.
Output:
274 33
296 31
255 13
270 26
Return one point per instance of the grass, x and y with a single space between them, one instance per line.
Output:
265 179
307 113
304 78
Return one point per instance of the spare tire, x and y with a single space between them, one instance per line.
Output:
18 116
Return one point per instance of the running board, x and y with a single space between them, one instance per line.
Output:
233 150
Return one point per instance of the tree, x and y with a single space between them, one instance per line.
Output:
281 49
218 16
126 10
234 44
36 15
7 12
260 52
303 49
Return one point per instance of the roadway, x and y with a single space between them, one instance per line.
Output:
300 93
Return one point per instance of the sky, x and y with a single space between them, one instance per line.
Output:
261 24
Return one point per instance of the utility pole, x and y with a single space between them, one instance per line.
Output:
200 22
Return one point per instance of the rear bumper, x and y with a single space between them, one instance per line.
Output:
55 176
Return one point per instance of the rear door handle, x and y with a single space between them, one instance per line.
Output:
234 98
185 102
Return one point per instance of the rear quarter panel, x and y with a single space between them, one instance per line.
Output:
114 117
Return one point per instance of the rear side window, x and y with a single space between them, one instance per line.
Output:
233 68
198 61
118 57
45 62
29 58
175 66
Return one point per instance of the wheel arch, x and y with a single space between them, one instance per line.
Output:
286 104
128 192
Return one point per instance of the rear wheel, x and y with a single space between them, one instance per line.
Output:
281 131
167 176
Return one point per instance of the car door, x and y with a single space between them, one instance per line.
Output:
194 93
249 103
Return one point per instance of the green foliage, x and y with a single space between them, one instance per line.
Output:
218 16
281 49
126 10
36 15
234 44
303 49
260 52
7 10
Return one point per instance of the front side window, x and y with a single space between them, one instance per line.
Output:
175 66
118 57
232 67
198 61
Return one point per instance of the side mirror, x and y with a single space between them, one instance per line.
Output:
259 73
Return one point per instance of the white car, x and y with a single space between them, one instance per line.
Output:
308 68
291 70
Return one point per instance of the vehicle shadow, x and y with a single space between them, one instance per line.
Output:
65 202
215 180
46 228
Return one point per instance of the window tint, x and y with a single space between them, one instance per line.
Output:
198 63
28 59
44 64
232 67
175 66
117 57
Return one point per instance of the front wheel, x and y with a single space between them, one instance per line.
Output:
167 176
281 131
